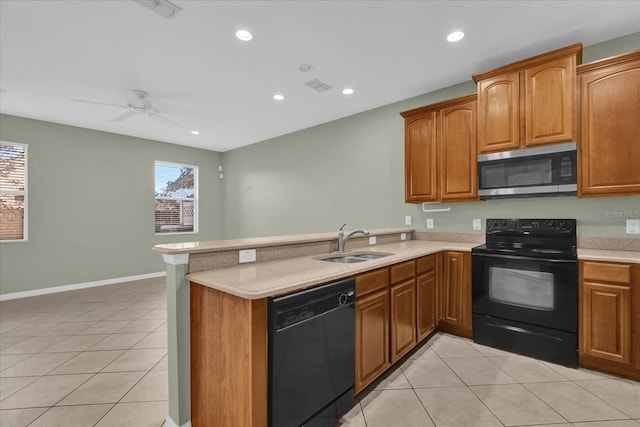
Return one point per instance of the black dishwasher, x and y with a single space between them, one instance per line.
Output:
311 355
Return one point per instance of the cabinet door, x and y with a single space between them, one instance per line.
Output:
372 338
610 130
605 327
456 294
457 152
420 158
550 102
403 318
427 305
499 113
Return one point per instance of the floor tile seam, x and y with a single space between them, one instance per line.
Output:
67 406
424 407
570 381
468 385
484 404
601 399
536 397
528 382
24 386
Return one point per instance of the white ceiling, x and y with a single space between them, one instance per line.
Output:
199 75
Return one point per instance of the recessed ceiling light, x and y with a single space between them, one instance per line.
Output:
195 132
347 91
455 36
278 97
305 67
244 35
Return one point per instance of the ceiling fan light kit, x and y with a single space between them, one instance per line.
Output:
163 8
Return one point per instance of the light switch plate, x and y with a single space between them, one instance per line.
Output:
633 226
477 224
247 255
429 223
403 236
407 220
372 240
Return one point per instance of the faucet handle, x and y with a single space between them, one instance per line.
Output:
340 229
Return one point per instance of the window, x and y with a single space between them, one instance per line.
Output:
13 192
176 188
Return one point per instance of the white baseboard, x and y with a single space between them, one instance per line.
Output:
55 289
171 423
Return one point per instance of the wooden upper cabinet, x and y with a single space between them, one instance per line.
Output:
457 152
440 151
609 143
550 102
499 113
420 158
528 103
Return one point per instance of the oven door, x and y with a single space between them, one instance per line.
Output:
534 291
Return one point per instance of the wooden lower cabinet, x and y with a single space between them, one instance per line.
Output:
455 294
372 327
372 338
609 318
403 308
403 319
427 296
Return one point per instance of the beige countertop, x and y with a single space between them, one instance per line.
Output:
607 255
259 242
265 279
260 280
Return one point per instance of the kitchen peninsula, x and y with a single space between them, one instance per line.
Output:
217 308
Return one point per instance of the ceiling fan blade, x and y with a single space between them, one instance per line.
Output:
98 103
124 116
163 119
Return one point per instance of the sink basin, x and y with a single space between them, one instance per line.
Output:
353 257
343 259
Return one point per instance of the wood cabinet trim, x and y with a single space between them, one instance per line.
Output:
453 102
607 62
575 49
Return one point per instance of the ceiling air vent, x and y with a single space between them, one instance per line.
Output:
318 85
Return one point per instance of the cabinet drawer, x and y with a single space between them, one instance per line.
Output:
426 263
372 281
608 272
403 271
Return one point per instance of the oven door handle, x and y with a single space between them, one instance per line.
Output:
525 258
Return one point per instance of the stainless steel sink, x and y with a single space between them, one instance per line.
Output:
343 259
353 257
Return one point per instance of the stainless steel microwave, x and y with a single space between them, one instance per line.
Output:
531 172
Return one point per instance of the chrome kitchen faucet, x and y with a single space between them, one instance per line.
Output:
342 240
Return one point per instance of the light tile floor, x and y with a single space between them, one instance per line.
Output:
92 357
454 382
97 357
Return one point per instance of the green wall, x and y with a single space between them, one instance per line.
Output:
352 170
91 205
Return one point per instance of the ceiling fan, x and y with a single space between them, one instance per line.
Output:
137 104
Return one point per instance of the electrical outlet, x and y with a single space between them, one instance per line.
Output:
407 220
633 226
403 236
372 240
247 255
477 224
429 223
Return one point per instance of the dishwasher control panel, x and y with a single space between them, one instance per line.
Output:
301 306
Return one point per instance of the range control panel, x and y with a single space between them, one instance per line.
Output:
541 225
